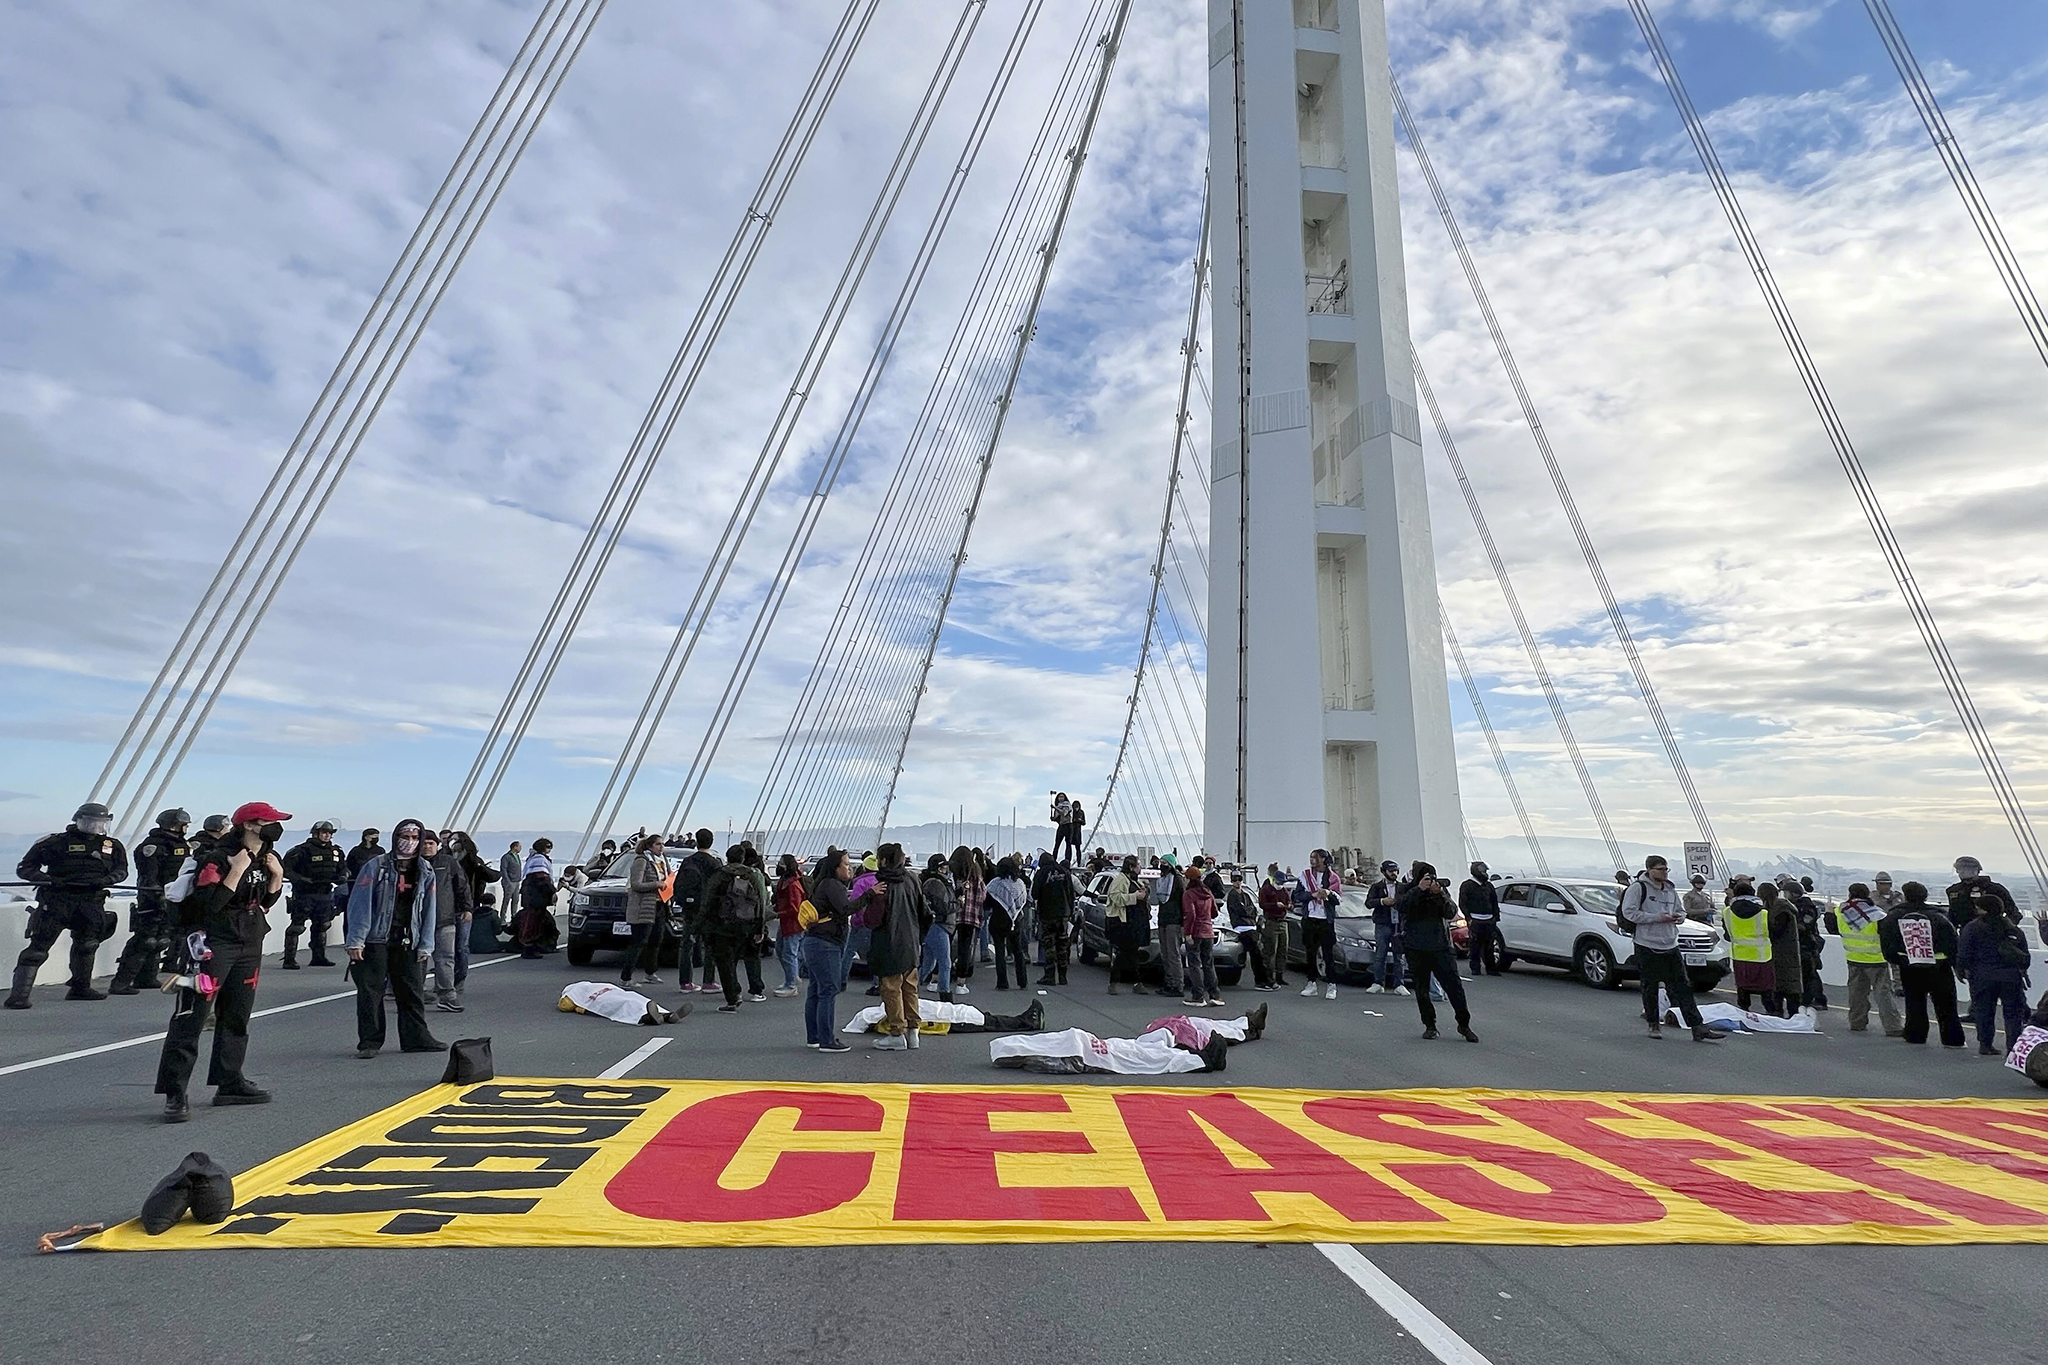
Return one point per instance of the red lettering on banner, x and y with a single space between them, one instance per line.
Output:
1858 1158
1945 1144
1680 1164
1197 1183
1577 1194
949 1164
2022 1130
675 1176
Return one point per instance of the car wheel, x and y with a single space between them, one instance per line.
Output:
1088 954
579 954
1596 965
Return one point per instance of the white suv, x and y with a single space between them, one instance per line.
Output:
1569 922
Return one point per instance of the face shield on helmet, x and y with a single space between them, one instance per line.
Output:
93 818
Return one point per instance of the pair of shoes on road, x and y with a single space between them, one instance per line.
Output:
1311 991
1464 1031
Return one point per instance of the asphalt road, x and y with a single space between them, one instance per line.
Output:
84 1144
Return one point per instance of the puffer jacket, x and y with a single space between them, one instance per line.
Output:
643 887
940 904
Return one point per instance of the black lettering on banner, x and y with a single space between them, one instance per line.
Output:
536 1096
498 1130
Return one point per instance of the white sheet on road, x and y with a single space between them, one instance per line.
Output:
615 1003
930 1011
1748 1021
1151 1054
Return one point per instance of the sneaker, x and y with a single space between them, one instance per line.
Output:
1197 1001
728 1009
1402 990
755 998
1429 1032
889 1042
960 988
1138 988
785 992
1215 1001
1375 989
910 1038
1330 991
447 1007
366 1053
1656 1030
810 1045
834 1046
687 987
1465 1032
1308 992
649 979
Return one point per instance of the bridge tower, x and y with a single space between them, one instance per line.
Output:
1331 727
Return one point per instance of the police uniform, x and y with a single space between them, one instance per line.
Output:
158 862
71 870
319 876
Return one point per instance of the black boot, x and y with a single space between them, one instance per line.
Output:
1255 1023
82 955
1048 978
24 979
177 1109
290 960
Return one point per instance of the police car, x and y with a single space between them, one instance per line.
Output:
1569 922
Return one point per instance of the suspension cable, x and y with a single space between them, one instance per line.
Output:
1989 231
1500 758
1615 618
1507 591
1852 463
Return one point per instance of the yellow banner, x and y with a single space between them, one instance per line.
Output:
708 1163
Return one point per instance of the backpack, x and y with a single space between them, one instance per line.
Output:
741 902
688 887
2012 945
1621 918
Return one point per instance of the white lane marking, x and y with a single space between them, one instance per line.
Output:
159 1037
633 1059
1426 1327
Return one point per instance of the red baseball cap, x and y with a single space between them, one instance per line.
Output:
257 810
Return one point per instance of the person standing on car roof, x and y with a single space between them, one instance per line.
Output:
157 864
1479 901
1426 912
235 882
1384 896
1652 911
71 871
317 871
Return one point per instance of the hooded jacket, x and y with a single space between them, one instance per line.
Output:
893 950
373 899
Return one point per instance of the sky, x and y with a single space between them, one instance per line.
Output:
201 202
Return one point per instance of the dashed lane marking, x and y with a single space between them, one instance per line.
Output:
1426 1327
632 1059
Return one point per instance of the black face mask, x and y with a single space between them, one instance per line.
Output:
271 832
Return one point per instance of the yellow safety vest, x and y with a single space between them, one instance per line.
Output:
1860 945
1749 939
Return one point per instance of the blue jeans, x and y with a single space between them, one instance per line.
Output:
1386 957
857 941
823 961
937 962
789 951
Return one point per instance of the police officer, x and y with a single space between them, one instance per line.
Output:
71 870
318 873
366 848
234 883
157 864
209 834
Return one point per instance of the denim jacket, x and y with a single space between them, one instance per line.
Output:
375 894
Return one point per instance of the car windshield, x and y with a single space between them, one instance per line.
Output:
1597 897
1352 904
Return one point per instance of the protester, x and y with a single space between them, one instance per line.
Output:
1165 899
1856 922
1807 908
224 925
158 862
1652 910
824 946
892 907
1479 901
1426 912
482 935
1992 955
1127 926
647 875
535 928
970 892
1384 896
1006 895
942 911
389 934
1077 823
790 894
71 871
1921 942
1788 969
1242 910
693 874
1749 939
1317 895
1276 898
1054 893
453 910
736 903
511 867
1198 908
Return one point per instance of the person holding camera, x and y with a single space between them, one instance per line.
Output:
1426 913
223 920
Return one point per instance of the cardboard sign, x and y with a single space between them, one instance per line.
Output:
706 1163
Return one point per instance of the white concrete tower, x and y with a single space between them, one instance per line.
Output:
1346 729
